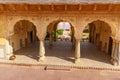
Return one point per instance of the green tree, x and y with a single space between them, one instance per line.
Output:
59 31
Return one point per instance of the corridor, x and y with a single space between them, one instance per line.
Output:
62 54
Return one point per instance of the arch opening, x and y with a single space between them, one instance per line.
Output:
60 38
97 41
24 41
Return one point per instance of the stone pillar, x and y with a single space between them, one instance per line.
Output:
119 53
8 50
115 53
42 51
77 51
50 40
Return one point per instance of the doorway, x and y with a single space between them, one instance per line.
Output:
110 46
31 36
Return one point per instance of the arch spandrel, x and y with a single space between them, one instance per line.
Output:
14 19
112 24
45 22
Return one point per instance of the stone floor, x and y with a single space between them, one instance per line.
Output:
10 72
62 54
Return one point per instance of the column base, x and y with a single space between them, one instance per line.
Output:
114 62
9 55
77 60
13 57
41 59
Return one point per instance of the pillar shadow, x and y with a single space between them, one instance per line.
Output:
31 51
60 49
90 51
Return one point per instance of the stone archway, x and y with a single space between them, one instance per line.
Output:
12 20
27 29
52 26
107 21
102 34
24 36
45 21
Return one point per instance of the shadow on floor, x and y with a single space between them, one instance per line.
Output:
60 49
90 51
31 51
63 50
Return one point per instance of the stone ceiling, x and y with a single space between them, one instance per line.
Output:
60 1
60 5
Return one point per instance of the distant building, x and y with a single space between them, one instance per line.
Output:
65 26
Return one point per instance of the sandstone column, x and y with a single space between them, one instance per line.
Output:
8 50
119 54
77 51
42 51
115 53
41 34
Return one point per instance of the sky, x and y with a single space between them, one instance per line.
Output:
63 25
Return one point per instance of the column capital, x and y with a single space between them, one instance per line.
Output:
77 39
41 36
115 40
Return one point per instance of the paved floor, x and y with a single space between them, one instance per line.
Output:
10 72
62 54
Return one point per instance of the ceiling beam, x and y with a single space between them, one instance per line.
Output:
14 8
65 7
95 7
1 7
80 7
26 7
110 7
39 7
52 6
